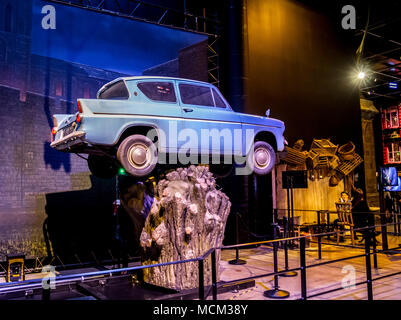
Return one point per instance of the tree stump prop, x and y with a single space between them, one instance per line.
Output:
187 218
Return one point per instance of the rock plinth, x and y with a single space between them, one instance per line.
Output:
187 217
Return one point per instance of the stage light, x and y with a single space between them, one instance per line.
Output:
393 85
121 171
361 75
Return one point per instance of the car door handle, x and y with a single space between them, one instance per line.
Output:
188 109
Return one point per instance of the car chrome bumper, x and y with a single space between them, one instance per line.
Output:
66 142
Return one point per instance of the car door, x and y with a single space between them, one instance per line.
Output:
207 114
135 102
156 102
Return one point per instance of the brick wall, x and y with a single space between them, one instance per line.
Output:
190 64
30 171
167 69
193 62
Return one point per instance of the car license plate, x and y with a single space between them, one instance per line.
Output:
68 130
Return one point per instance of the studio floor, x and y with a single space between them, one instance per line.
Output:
259 261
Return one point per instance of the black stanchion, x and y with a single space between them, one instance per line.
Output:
384 232
319 239
237 260
287 273
46 292
201 281
368 265
374 253
328 223
214 276
276 293
302 259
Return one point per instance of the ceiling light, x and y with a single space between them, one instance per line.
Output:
361 75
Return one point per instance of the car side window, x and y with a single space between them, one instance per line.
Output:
218 100
158 91
117 91
196 95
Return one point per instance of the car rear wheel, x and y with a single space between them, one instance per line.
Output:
263 158
102 166
138 155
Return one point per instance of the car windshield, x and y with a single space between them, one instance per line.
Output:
116 91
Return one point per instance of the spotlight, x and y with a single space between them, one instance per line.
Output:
121 172
361 75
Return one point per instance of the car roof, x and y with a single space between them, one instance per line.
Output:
154 77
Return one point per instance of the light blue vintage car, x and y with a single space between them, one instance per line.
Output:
139 122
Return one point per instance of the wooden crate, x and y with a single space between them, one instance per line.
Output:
294 156
334 162
323 162
347 167
324 147
312 160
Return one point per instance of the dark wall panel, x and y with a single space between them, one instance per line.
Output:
299 66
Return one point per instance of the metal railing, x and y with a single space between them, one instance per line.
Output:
303 267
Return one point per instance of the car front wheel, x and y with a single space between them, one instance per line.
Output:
263 158
138 155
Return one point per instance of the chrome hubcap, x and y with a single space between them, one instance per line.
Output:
138 155
262 157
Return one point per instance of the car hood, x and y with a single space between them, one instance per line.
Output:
260 120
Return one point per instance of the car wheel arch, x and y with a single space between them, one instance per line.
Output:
142 129
268 137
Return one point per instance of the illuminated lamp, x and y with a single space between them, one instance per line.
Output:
361 75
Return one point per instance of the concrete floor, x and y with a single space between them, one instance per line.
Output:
321 278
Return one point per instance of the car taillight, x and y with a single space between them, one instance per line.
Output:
79 107
79 118
54 130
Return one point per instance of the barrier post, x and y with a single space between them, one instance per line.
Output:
237 260
303 267
201 281
368 266
214 275
384 231
46 294
319 239
276 293
374 253
286 233
328 223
